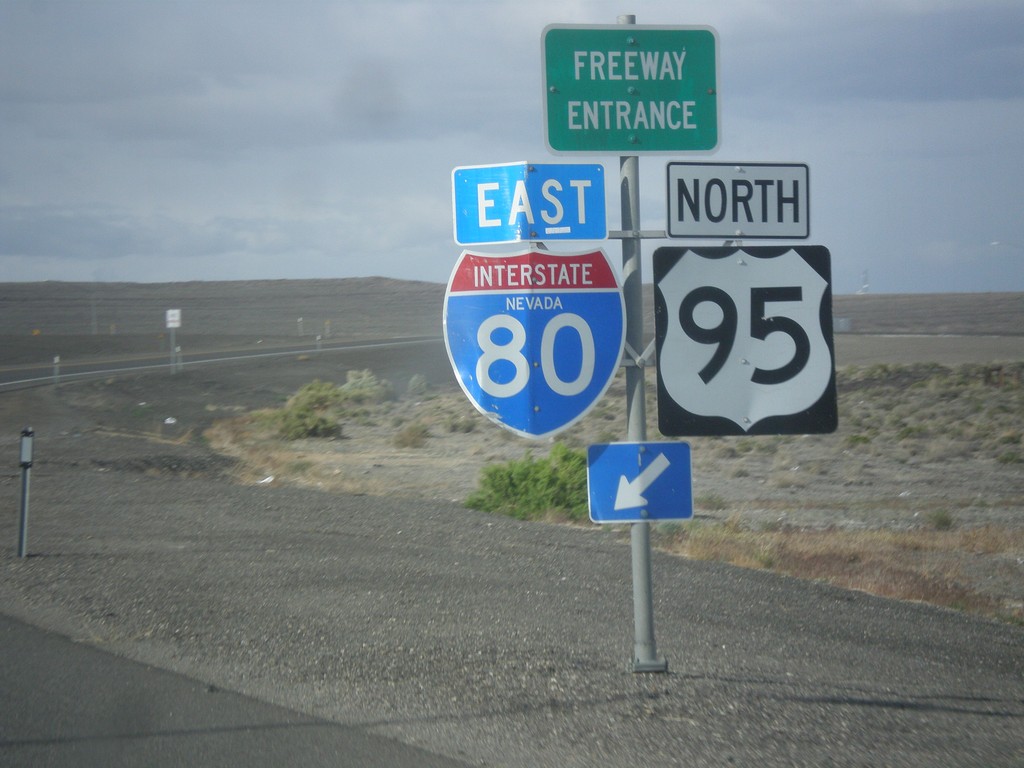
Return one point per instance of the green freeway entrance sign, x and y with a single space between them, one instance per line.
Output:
627 89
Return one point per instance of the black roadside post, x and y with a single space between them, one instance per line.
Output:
27 436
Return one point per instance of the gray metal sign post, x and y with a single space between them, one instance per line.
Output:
173 322
591 106
645 650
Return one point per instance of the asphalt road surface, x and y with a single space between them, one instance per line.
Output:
12 377
68 704
476 638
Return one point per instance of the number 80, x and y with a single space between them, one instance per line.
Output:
512 351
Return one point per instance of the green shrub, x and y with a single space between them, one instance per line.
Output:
303 421
941 519
317 395
317 408
418 386
531 488
412 436
311 412
365 387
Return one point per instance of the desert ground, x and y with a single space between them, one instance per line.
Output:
877 471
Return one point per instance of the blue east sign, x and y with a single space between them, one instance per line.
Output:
521 202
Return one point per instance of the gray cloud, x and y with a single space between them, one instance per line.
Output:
833 53
222 139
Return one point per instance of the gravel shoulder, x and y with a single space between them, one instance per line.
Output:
489 640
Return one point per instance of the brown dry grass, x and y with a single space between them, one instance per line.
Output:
925 564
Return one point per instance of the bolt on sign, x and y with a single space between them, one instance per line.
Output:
627 89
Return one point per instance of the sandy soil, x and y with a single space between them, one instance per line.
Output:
809 481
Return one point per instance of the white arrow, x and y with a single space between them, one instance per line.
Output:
630 493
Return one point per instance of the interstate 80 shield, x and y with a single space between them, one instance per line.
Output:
534 337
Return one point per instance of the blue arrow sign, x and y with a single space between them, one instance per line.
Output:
636 482
524 201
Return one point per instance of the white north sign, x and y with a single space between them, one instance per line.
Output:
738 201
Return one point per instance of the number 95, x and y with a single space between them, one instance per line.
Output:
723 335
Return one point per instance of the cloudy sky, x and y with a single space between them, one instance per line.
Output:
165 140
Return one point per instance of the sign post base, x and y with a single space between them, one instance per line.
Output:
653 665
